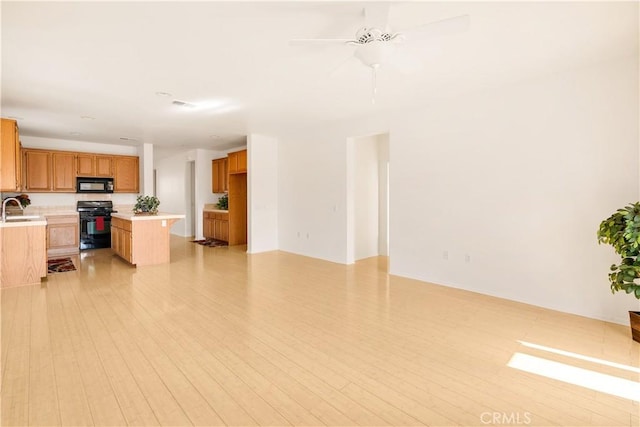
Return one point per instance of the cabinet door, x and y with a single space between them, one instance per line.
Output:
242 161
85 165
37 165
9 156
115 239
62 235
219 175
237 162
232 162
207 228
104 166
126 173
64 172
215 176
127 246
224 175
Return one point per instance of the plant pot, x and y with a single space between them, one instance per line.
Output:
634 318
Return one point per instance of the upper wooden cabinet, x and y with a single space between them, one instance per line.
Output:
64 172
126 174
37 170
219 172
88 164
104 166
85 165
56 171
238 162
49 171
10 176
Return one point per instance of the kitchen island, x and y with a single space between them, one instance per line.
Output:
142 239
23 252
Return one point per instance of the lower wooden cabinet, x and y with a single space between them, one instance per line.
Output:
216 225
63 236
121 238
23 255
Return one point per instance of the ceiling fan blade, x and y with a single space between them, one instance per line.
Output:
317 42
444 27
376 15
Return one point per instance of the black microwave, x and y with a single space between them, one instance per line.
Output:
94 185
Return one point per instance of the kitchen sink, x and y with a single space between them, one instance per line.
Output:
21 218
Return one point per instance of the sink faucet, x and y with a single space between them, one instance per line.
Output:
4 207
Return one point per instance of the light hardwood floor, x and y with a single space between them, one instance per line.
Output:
219 337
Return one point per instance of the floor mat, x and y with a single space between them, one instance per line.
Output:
60 265
212 243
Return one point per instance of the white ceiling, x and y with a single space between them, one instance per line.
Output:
107 60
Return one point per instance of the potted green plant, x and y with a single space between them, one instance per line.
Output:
223 202
622 231
146 205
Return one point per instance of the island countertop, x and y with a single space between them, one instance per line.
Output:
130 216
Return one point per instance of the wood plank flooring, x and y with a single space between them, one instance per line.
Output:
219 337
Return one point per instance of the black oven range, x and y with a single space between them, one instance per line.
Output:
95 224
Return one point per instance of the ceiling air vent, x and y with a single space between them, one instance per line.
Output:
183 104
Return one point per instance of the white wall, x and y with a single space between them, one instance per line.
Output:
312 199
515 180
262 176
513 184
146 169
172 185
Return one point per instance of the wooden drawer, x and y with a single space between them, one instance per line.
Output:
223 216
62 219
121 223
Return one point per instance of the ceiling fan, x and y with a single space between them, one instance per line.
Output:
375 44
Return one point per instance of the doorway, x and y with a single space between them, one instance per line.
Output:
368 197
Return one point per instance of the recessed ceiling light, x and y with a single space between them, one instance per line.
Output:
87 117
163 94
126 138
75 133
183 104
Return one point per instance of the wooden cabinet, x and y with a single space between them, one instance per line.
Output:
37 170
216 225
88 164
49 171
64 172
104 166
237 162
126 174
85 165
219 175
238 209
63 236
23 255
121 238
10 162
56 171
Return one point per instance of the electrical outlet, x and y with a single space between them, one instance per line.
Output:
467 258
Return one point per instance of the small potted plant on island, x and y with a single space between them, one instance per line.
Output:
146 205
622 231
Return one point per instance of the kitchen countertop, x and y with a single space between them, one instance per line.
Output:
130 216
27 223
215 210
